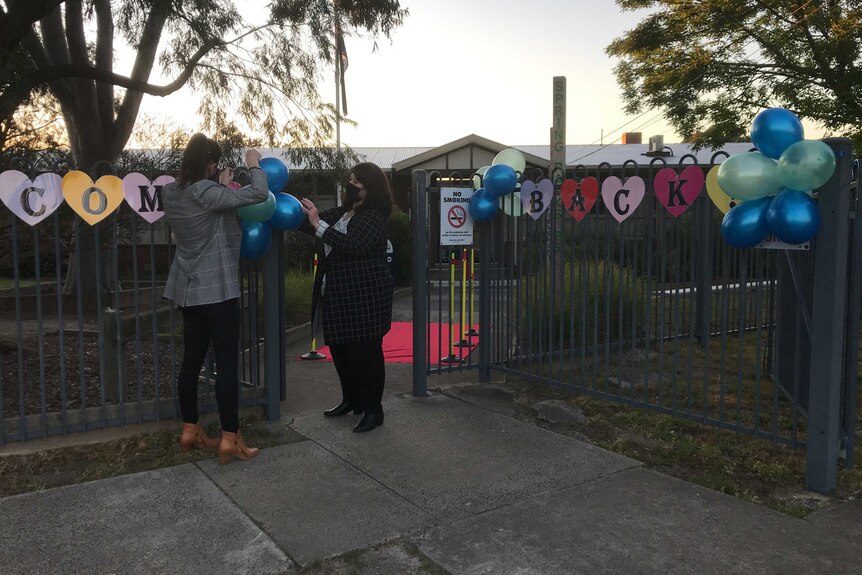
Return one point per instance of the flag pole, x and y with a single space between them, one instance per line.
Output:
338 119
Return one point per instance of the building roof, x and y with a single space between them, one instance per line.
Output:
588 155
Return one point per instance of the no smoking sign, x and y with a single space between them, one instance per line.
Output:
457 216
456 225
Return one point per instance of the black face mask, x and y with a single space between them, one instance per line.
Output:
352 193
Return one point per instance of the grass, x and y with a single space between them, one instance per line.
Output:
736 464
141 452
9 283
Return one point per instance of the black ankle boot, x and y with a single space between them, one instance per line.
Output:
368 422
342 408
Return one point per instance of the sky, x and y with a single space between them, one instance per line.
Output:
485 67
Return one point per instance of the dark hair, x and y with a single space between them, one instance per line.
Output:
200 152
379 194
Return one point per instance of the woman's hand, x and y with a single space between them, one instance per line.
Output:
252 158
226 176
311 211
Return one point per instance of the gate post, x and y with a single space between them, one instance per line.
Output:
273 315
485 249
828 311
419 220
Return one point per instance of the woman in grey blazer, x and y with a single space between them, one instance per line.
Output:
204 283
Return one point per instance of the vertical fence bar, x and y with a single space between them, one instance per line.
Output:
58 288
854 304
485 246
273 311
420 284
828 321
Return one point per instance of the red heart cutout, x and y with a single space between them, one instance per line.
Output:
677 192
579 197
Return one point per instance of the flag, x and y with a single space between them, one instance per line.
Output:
342 65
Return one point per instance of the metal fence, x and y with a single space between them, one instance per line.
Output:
75 359
656 312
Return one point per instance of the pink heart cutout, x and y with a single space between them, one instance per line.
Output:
677 192
144 196
623 198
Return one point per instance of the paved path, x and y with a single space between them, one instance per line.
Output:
448 484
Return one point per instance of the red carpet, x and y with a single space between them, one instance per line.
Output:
398 343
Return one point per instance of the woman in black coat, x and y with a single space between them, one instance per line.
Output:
352 297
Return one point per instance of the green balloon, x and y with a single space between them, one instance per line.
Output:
258 212
806 165
512 158
749 176
477 180
511 203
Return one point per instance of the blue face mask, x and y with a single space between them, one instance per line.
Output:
352 193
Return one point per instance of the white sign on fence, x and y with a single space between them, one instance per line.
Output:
456 223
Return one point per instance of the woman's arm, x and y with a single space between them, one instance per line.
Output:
220 197
365 232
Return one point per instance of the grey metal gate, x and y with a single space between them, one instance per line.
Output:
659 313
91 360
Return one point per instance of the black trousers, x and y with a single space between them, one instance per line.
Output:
362 372
216 323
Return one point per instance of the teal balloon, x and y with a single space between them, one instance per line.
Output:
745 225
256 237
793 217
277 174
749 176
774 130
288 214
258 212
483 205
806 165
499 179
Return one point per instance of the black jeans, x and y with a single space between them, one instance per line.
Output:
362 372
217 323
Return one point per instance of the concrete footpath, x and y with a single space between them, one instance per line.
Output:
448 484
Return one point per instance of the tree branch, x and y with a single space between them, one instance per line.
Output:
141 70
105 61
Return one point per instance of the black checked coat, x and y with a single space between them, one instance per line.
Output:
357 302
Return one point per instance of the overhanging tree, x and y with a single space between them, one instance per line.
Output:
711 65
263 69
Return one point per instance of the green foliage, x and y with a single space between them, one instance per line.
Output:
712 65
260 67
297 296
401 237
604 294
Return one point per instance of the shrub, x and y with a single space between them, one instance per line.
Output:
401 238
588 297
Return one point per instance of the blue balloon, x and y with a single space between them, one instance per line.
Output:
499 180
483 204
774 130
288 214
276 172
793 217
745 226
258 212
256 237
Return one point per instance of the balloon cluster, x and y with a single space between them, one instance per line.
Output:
492 183
280 210
775 183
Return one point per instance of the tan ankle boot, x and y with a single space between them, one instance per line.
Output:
232 446
193 435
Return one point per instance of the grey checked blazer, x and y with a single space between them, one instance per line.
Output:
203 220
